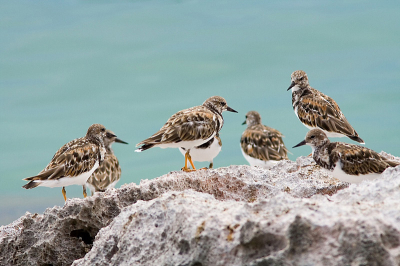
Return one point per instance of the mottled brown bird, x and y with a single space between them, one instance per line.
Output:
347 162
261 145
109 172
74 162
316 110
190 128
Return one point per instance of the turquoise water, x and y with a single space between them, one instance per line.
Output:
130 65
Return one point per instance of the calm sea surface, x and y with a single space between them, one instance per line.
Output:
130 65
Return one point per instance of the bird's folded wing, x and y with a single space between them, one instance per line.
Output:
360 160
68 146
180 127
70 163
260 145
316 110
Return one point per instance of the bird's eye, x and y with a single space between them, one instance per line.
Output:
223 103
311 137
301 78
103 129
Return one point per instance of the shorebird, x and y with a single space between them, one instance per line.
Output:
261 145
109 172
73 163
189 128
316 110
347 162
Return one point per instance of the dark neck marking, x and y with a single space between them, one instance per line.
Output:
325 150
206 145
220 119
212 109
296 95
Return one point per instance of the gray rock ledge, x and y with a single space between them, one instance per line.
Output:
293 214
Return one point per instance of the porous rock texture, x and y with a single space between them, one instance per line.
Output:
293 214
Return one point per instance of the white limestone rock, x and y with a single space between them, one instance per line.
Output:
293 214
359 225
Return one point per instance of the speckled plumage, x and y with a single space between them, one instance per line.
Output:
316 110
109 172
74 162
261 145
189 128
347 162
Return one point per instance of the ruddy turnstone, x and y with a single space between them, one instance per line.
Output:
347 162
261 145
74 162
316 110
109 172
206 152
190 128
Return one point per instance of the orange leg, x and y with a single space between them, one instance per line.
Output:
84 191
185 168
188 158
64 193
191 162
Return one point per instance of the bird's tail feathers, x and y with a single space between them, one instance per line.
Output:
144 147
31 184
357 138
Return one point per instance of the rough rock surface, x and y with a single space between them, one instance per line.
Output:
293 214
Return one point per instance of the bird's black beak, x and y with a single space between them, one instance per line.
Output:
230 109
120 141
291 85
300 144
244 123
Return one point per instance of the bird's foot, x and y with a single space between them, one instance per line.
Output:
185 169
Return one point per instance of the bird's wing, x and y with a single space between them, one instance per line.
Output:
71 163
263 144
67 147
361 160
185 126
318 110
